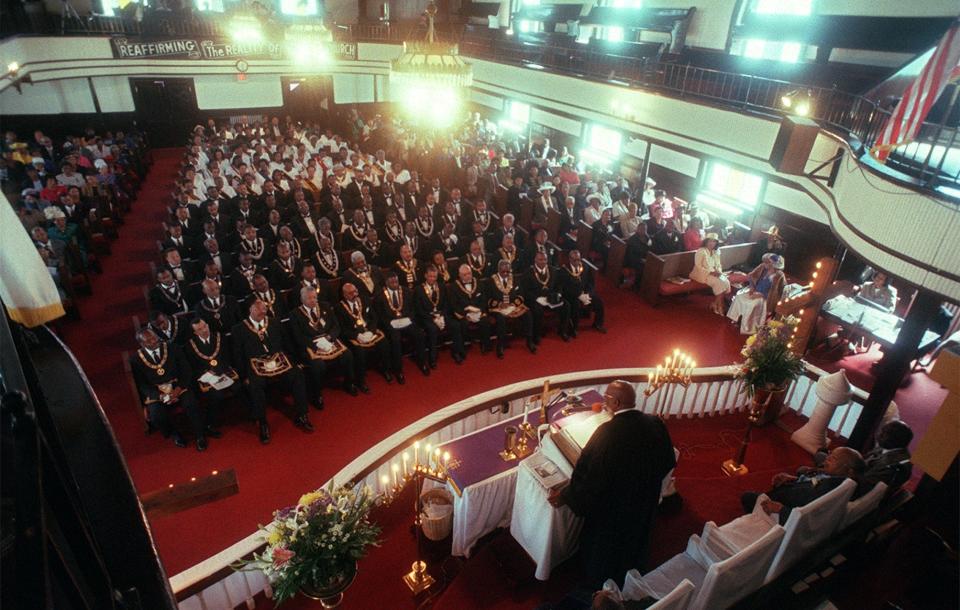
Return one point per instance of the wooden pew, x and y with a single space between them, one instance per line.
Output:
657 269
553 225
615 256
526 214
500 200
584 238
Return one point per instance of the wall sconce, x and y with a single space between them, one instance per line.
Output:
13 73
799 102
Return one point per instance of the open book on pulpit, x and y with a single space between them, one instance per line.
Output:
574 433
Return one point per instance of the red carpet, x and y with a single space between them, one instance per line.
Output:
277 474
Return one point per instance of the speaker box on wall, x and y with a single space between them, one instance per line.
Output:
793 145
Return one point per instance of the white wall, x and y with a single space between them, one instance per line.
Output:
353 89
890 8
114 93
55 97
224 91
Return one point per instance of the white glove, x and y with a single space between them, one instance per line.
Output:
365 337
543 301
473 316
323 344
584 298
400 323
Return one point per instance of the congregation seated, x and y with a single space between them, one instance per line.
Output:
889 461
758 300
708 269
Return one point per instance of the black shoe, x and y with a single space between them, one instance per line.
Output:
264 433
212 432
433 364
303 423
178 440
364 388
600 329
565 337
401 379
351 389
458 358
532 346
318 403
573 332
484 349
425 370
499 352
388 376
536 340
201 443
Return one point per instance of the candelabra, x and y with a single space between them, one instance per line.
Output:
676 369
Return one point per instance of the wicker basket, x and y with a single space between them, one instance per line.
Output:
436 528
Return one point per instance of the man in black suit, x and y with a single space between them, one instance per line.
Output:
183 272
167 328
367 279
285 268
505 301
394 306
469 306
790 491
359 323
508 227
167 294
316 332
615 487
275 302
241 279
212 253
208 352
541 289
176 240
304 224
540 244
431 306
163 380
259 350
577 286
221 312
478 261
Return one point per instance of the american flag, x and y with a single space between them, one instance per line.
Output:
908 116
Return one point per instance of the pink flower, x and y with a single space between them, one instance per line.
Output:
281 556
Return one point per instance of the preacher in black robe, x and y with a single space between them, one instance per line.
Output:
615 487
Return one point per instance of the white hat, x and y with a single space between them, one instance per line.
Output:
36 160
547 186
650 181
594 196
28 192
53 212
99 163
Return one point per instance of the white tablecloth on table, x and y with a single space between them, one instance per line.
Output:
480 509
549 535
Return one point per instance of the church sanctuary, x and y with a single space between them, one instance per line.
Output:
480 304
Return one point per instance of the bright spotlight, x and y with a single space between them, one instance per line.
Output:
245 29
787 101
430 105
309 53
13 67
803 108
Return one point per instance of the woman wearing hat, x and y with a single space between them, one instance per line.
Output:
707 269
752 304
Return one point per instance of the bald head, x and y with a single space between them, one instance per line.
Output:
619 395
844 462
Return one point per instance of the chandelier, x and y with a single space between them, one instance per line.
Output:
430 62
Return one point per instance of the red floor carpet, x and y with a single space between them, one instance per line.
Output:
277 474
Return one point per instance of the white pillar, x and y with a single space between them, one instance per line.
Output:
832 391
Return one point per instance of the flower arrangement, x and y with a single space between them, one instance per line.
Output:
318 541
769 362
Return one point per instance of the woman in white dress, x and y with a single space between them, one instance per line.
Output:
752 304
707 269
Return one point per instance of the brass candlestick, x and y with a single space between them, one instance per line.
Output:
676 369
418 579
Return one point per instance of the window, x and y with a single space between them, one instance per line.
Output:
299 7
624 3
530 26
603 145
755 48
783 7
531 2
729 191
613 34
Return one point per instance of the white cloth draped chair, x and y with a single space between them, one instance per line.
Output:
750 311
864 505
807 526
678 599
721 574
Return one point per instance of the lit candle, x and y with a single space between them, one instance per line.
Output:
416 454
427 456
446 460
385 485
405 457
526 406
657 378
650 378
395 470
436 458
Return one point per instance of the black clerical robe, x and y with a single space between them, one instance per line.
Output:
615 487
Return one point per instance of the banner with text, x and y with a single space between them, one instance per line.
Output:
204 48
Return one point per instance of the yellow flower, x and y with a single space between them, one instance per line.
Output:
274 537
308 498
751 340
775 324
